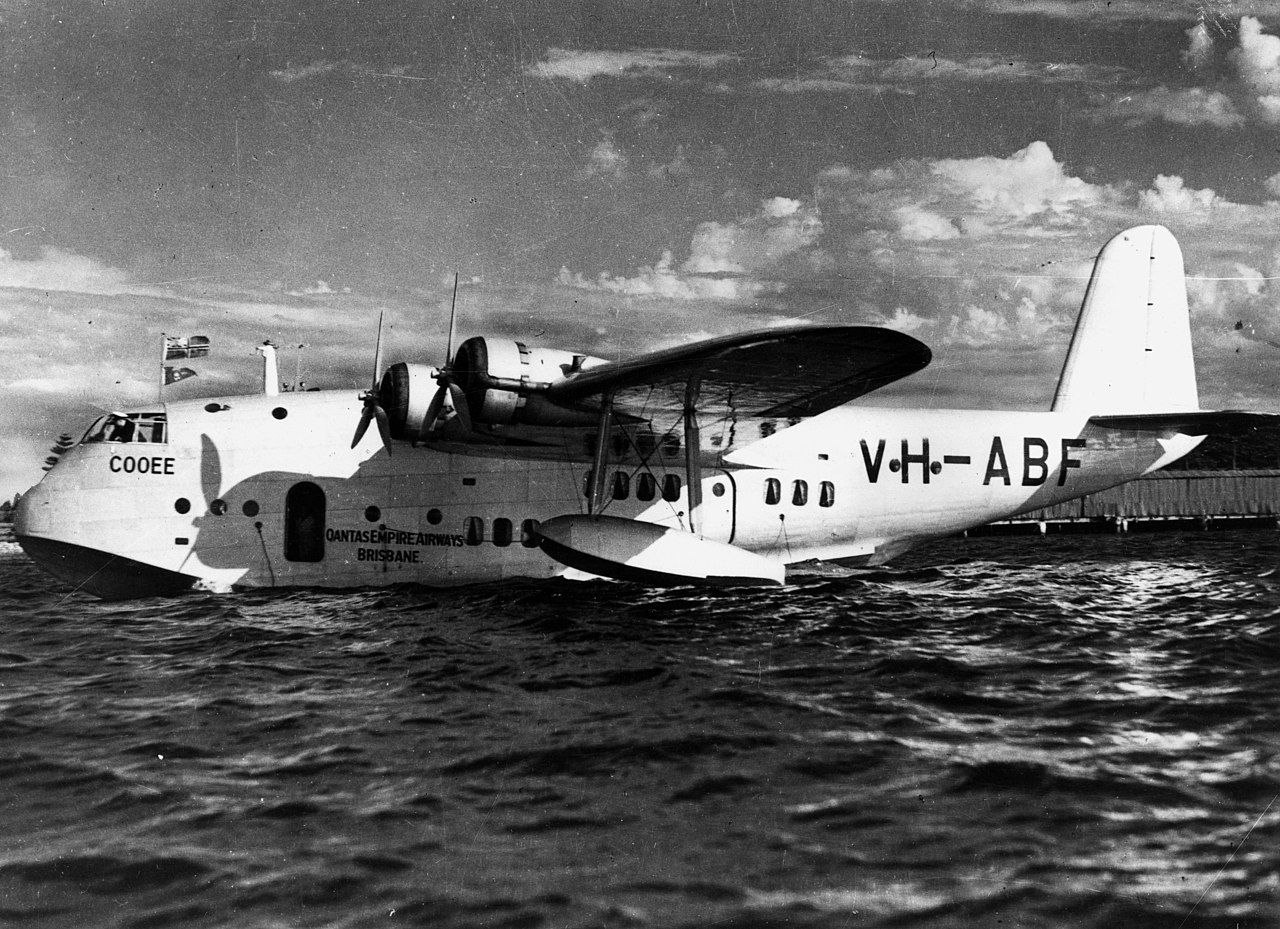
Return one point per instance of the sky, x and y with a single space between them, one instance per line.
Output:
614 178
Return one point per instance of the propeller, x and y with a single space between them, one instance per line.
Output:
445 378
373 403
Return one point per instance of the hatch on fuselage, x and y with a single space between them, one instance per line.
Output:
304 517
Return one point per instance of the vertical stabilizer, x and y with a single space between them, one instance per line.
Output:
1131 351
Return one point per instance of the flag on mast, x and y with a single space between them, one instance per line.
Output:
172 375
195 346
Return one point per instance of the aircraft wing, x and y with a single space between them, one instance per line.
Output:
786 372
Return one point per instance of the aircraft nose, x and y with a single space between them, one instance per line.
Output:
33 512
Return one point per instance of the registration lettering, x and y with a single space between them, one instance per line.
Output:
1033 470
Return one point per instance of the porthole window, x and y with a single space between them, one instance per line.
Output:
473 529
671 487
646 444
218 507
214 407
646 487
249 508
621 485
827 494
502 532
772 491
799 493
279 412
372 514
434 516
182 505
670 445
529 533
620 445
717 489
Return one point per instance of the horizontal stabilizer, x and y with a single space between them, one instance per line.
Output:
631 550
1200 422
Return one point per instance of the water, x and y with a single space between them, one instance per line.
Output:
1074 731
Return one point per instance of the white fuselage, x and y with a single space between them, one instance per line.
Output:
261 491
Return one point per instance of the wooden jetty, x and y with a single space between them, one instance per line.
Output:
1164 500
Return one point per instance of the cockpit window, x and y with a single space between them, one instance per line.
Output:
131 427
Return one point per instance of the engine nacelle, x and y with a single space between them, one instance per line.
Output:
405 393
503 381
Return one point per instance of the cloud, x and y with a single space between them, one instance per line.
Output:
1199 53
727 261
917 224
1169 194
781 228
1257 58
859 74
1190 106
1090 11
584 65
57 270
663 280
1029 181
318 289
1248 91
607 160
291 74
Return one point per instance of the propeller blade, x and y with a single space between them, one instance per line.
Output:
453 308
365 417
384 427
460 405
433 411
377 355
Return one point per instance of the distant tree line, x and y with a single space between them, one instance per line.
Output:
7 508
1258 449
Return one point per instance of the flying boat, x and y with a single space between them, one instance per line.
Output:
727 461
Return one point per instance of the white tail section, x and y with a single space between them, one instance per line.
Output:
1131 351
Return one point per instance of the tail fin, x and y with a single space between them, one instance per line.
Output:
1131 351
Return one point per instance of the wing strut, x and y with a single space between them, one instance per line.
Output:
596 501
692 449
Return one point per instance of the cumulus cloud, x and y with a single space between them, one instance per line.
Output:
917 224
1256 60
1246 90
727 261
582 65
782 227
1029 181
1170 194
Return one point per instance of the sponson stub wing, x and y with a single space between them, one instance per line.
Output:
770 374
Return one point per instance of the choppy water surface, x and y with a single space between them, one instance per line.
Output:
1062 732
